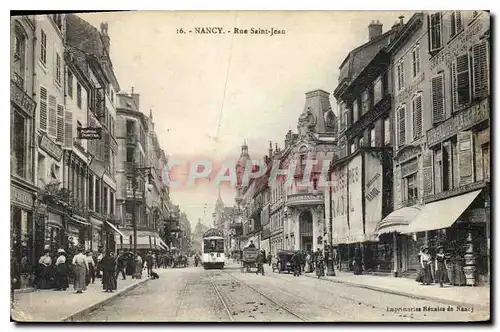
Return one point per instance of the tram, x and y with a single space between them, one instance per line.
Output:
212 251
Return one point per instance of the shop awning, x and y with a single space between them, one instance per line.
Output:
142 239
160 242
360 238
398 221
441 214
79 220
114 228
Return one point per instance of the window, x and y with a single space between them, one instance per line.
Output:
19 60
387 131
57 18
365 101
401 113
355 110
111 202
98 185
377 91
78 141
485 151
60 124
437 98
361 141
373 141
446 172
417 116
18 146
91 192
460 82
43 105
43 48
58 68
346 118
353 147
105 201
415 56
411 191
52 116
480 56
400 75
456 24
436 29
78 95
70 84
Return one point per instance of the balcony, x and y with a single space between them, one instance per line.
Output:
305 198
131 140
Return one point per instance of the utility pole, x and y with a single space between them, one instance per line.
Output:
330 266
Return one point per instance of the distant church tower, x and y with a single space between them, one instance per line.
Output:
240 169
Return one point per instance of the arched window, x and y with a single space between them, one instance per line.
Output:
19 55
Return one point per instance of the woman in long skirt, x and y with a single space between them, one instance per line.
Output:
425 263
441 269
61 271
109 272
320 266
81 268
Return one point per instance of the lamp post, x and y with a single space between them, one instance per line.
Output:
330 269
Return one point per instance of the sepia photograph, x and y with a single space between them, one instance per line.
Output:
250 166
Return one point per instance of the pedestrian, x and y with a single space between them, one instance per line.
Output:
109 283
44 264
121 262
61 271
100 256
251 245
308 263
138 267
149 262
260 262
80 267
90 277
358 262
425 263
441 267
320 265
296 261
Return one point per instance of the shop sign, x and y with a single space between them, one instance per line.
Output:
460 44
49 146
461 121
21 99
21 196
455 192
407 153
89 133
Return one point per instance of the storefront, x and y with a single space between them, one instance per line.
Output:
78 233
54 230
276 243
23 240
98 233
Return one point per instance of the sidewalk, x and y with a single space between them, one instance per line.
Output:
56 306
454 295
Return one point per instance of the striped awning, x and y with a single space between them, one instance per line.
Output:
397 221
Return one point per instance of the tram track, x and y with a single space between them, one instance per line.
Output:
221 299
181 300
270 299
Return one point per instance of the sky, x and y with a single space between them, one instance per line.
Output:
209 93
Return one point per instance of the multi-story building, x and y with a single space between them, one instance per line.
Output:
184 234
51 222
85 41
299 207
23 89
361 172
456 161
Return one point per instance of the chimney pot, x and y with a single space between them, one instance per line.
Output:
374 29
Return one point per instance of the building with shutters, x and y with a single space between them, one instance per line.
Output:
25 247
91 49
361 171
456 160
53 197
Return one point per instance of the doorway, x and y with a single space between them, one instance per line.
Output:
306 230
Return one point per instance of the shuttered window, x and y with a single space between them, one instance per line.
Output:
456 25
365 101
437 98
43 109
480 67
43 47
58 68
52 116
68 128
70 84
400 75
436 29
460 82
417 116
415 55
377 90
355 110
401 126
427 172
465 146
60 124
79 95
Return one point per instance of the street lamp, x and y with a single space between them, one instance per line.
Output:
330 269
134 173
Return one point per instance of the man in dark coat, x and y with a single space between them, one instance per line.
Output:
109 283
296 261
260 262
121 264
149 263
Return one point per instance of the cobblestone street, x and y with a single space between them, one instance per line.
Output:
195 294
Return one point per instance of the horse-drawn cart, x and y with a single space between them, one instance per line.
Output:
249 259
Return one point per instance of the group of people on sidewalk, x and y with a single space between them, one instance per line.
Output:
437 269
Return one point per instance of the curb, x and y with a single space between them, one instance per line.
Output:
74 317
409 295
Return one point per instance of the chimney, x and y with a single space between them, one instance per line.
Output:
104 36
401 21
270 149
374 29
